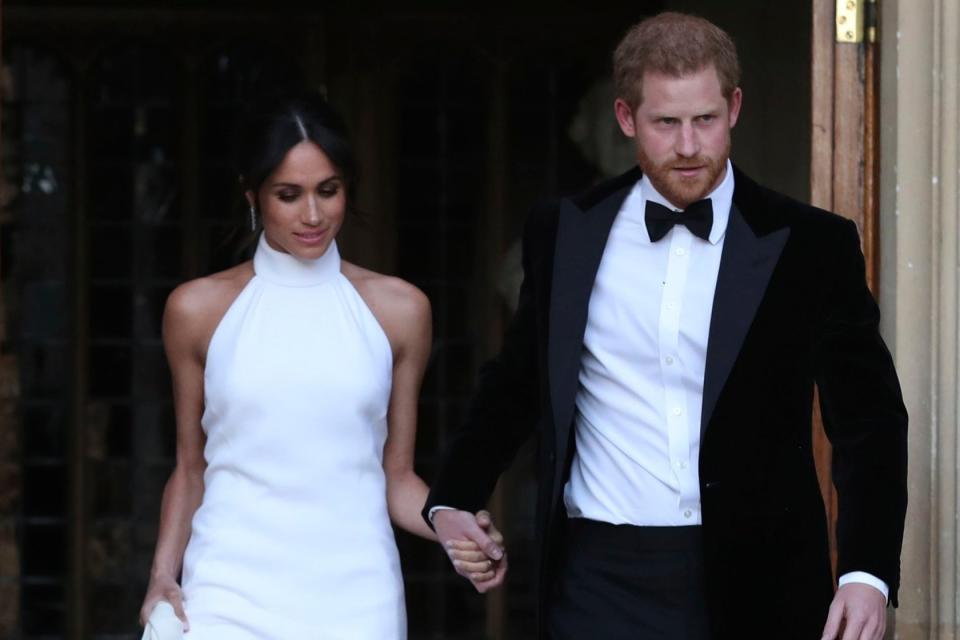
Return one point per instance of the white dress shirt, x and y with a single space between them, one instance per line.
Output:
638 406
637 423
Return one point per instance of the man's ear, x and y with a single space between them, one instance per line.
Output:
736 100
625 117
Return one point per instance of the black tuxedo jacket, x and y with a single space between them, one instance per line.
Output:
791 310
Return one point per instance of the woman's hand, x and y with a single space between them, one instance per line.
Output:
163 587
472 562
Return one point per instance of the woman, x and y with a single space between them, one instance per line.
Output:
295 379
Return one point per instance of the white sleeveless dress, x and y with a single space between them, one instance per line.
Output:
293 538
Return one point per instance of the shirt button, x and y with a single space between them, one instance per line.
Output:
681 465
687 513
668 360
678 411
681 252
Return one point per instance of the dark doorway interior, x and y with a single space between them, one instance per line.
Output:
117 127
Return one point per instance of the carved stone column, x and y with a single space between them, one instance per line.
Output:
920 207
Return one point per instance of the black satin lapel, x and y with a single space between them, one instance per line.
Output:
581 238
745 268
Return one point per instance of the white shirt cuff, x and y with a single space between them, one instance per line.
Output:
439 507
864 578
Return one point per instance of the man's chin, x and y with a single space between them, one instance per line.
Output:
683 193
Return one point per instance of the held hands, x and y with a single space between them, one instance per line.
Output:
474 545
859 611
163 587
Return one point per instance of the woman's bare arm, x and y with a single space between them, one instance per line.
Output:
192 312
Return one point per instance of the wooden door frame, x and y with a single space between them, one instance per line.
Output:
844 170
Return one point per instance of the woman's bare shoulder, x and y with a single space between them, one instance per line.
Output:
195 308
394 297
402 309
209 293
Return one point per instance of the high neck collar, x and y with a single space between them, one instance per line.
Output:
287 270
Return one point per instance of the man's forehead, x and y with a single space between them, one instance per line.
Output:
678 74
701 89
704 78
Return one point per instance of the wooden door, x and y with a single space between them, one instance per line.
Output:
844 161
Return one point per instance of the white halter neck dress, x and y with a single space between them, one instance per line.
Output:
293 538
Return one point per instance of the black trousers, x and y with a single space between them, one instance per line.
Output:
625 582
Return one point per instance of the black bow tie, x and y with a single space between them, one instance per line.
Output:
698 218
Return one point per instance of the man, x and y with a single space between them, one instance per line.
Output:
670 330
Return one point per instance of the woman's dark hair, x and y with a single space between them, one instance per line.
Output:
275 125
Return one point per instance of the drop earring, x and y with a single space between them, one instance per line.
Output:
253 218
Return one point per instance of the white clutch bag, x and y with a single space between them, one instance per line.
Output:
163 624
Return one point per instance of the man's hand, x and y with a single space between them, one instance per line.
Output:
474 546
859 611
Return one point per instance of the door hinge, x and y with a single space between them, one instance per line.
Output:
856 20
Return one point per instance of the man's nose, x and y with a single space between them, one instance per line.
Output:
687 144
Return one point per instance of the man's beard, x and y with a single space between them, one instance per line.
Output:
680 191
